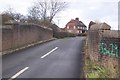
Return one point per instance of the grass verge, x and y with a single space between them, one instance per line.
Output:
96 70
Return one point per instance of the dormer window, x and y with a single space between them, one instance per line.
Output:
80 27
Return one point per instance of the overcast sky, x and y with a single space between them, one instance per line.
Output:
86 10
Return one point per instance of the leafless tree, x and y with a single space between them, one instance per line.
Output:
10 14
33 13
55 7
46 9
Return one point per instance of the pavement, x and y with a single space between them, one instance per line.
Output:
62 58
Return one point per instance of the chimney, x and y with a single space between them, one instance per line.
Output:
77 19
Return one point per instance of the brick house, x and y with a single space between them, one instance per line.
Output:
76 26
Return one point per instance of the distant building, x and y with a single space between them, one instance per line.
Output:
76 26
99 26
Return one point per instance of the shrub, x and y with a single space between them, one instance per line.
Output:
82 34
63 34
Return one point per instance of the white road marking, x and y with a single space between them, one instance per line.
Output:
20 72
49 52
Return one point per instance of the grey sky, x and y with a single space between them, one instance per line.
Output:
86 10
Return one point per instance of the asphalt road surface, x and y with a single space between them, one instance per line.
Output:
61 58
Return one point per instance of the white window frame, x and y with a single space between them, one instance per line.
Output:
80 27
68 27
74 27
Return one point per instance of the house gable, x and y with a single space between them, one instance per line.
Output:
75 26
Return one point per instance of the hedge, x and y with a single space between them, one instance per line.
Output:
63 34
82 34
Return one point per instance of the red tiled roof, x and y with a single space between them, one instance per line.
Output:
75 23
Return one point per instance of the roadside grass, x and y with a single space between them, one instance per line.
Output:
94 70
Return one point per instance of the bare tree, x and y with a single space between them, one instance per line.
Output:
33 13
10 14
46 9
97 21
55 7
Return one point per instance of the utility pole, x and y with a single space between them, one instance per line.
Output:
58 21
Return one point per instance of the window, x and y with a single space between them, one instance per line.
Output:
74 27
83 28
67 27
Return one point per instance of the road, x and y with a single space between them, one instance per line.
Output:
62 58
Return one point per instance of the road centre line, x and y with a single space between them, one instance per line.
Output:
20 72
49 52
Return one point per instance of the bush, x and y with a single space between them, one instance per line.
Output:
63 35
82 34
